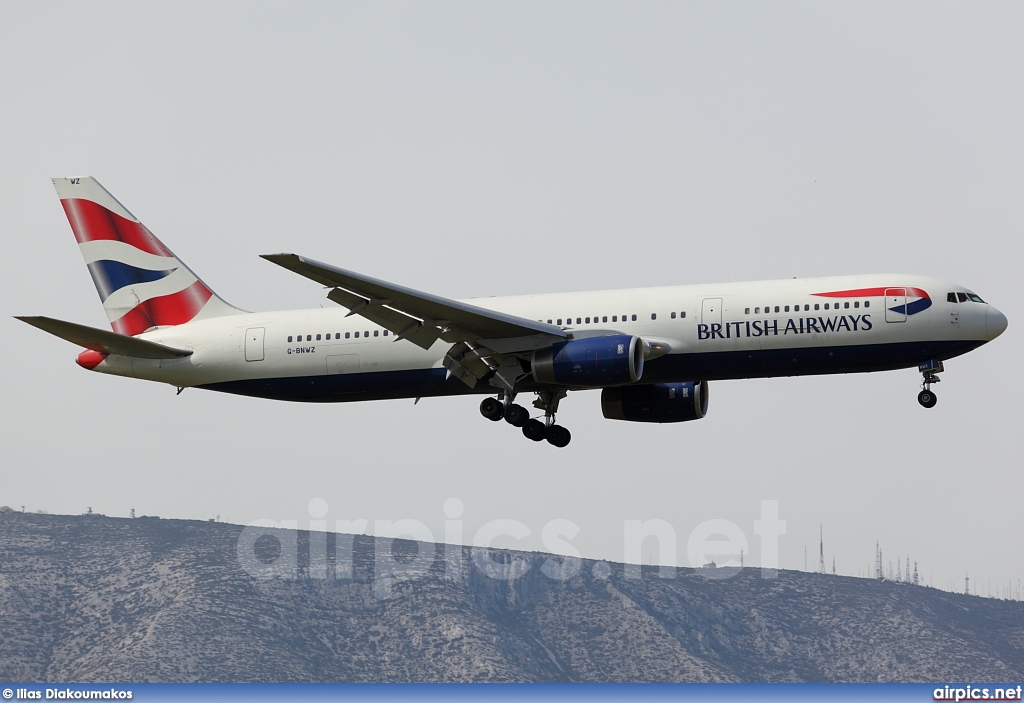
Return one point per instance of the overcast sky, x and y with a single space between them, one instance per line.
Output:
483 149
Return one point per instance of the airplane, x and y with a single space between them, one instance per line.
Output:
651 351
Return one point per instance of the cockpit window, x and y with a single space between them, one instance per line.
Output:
950 297
962 297
975 298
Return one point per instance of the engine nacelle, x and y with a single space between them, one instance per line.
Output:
592 361
656 402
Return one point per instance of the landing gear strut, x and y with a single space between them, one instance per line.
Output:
556 435
929 369
495 409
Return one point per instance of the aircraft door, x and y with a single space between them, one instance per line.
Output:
895 304
711 311
254 343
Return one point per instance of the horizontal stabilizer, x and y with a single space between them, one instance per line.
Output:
103 341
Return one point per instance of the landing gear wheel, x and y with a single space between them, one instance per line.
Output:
516 415
535 430
927 399
558 436
492 409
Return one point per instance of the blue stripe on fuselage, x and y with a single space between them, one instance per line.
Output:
913 308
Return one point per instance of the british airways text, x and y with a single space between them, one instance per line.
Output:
798 325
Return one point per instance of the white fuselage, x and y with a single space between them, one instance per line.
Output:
710 332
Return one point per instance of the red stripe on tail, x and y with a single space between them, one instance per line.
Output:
165 311
91 222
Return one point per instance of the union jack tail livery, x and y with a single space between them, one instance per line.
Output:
141 283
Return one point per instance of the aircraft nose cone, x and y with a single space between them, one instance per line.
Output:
996 322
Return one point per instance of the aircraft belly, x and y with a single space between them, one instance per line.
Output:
347 387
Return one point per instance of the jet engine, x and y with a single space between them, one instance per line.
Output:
593 361
656 402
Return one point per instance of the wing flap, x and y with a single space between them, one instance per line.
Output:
402 325
105 341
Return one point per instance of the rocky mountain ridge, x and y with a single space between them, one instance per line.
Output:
91 599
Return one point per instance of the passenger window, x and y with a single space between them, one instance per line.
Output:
289 338
309 338
867 303
634 318
806 307
846 305
757 311
385 333
549 322
366 333
604 318
746 311
777 308
347 334
787 309
682 314
856 304
815 306
578 319
654 316
588 320
962 297
559 320
615 318
357 335
376 333
318 338
673 315
826 306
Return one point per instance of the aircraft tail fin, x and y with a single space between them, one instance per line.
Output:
141 283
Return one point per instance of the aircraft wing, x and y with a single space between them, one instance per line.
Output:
105 341
420 317
483 341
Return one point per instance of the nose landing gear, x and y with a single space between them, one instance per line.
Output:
929 369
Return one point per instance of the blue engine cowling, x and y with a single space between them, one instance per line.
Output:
592 361
656 402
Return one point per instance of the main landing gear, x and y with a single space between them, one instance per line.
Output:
929 369
495 409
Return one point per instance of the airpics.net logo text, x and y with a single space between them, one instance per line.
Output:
977 693
405 549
